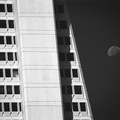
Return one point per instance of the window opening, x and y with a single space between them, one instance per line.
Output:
78 90
1 39
0 107
14 107
11 23
8 40
75 72
10 56
67 40
60 40
62 56
82 106
60 8
3 24
9 8
7 73
2 91
17 89
63 89
2 56
15 72
1 72
75 106
2 7
9 89
63 24
6 107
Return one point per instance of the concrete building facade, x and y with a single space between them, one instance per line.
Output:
40 72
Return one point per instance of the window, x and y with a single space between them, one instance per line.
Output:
15 72
20 107
62 56
6 107
1 39
67 73
0 107
60 8
14 107
67 40
63 24
75 106
10 56
9 89
11 23
8 40
16 89
75 72
2 8
7 73
70 57
1 72
2 56
68 107
14 40
69 89
3 24
77 89
2 91
57 25
15 56
82 107
9 8
63 89
60 40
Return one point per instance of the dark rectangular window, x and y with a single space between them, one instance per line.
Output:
10 56
8 40
9 89
2 91
60 8
69 89
63 24
60 40
1 72
15 72
1 39
62 56
9 8
67 73
20 107
75 106
57 24
75 72
14 40
11 23
3 24
70 57
63 89
68 107
2 7
17 89
77 89
14 107
2 56
6 107
67 40
0 107
15 56
82 107
7 73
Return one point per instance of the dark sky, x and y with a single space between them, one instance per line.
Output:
96 27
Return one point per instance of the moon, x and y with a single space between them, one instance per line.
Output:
114 50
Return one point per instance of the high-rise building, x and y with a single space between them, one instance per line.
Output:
40 72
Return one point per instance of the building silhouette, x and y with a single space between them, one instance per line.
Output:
40 72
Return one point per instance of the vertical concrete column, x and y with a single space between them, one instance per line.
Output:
38 60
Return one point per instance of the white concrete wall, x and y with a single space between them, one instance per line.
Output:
38 60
